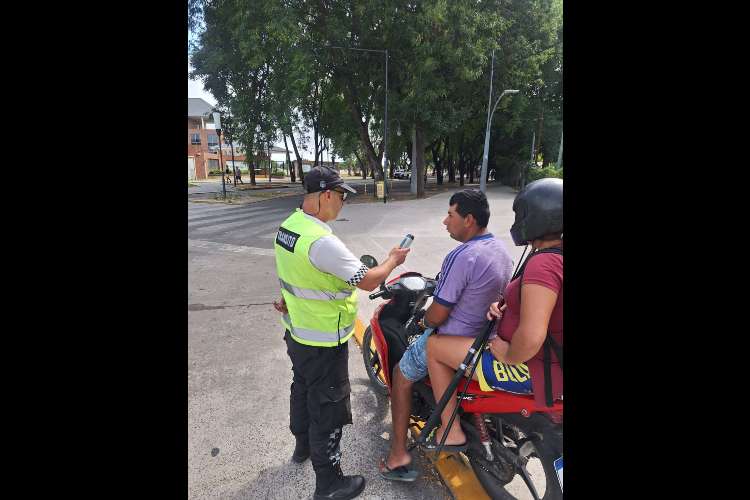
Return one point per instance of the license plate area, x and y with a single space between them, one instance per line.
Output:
559 470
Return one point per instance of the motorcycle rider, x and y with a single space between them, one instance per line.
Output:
319 277
513 361
470 278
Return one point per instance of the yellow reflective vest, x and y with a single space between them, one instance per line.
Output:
322 307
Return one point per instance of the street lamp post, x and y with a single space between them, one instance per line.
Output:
217 122
483 180
385 124
385 135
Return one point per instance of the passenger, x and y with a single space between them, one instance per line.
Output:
514 359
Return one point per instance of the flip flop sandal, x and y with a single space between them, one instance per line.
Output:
400 473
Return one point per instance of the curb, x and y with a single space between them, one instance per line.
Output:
454 470
244 202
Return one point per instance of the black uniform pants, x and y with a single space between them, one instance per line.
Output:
319 402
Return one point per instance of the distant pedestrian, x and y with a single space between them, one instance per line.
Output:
238 174
227 177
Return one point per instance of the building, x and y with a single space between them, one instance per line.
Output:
203 142
203 145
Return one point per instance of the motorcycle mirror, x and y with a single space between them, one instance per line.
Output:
369 261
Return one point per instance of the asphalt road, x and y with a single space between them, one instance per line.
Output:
239 445
238 371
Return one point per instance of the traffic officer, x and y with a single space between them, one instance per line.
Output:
319 277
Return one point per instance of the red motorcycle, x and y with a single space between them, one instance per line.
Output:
508 434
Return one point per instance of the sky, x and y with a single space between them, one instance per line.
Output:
195 89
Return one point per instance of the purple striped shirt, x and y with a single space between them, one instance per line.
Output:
473 276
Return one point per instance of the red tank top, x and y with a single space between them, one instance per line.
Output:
546 270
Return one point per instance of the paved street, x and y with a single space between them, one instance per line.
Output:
238 371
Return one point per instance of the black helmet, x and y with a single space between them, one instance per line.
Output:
539 211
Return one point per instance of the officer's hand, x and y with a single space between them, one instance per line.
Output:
398 255
281 306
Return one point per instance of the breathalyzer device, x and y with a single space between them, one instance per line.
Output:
406 242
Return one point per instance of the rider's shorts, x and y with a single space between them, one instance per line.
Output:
413 363
495 376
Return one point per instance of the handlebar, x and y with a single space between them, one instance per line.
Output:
377 295
386 291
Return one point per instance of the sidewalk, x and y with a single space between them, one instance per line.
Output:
210 190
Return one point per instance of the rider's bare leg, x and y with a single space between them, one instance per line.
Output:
444 354
400 410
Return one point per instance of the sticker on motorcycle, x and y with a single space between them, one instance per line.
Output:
559 469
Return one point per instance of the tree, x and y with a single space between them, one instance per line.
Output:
272 63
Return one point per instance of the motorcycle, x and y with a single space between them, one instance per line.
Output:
507 434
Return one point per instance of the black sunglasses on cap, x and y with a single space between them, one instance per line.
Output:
343 194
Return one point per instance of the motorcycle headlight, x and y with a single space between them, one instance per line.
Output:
413 283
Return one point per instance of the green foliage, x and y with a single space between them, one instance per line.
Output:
271 62
508 170
535 173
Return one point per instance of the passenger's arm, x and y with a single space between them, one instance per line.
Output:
378 274
537 304
436 314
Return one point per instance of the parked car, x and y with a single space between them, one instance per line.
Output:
401 173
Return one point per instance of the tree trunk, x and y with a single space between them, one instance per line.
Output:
540 128
362 166
249 156
234 165
289 161
448 154
438 158
409 149
299 158
413 185
372 158
315 142
461 164
471 170
419 141
269 163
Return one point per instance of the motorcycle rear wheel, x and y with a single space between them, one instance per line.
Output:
546 451
373 365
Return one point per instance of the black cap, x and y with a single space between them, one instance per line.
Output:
323 179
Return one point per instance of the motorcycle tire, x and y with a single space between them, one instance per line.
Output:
372 363
547 450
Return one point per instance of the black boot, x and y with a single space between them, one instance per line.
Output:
340 488
301 449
